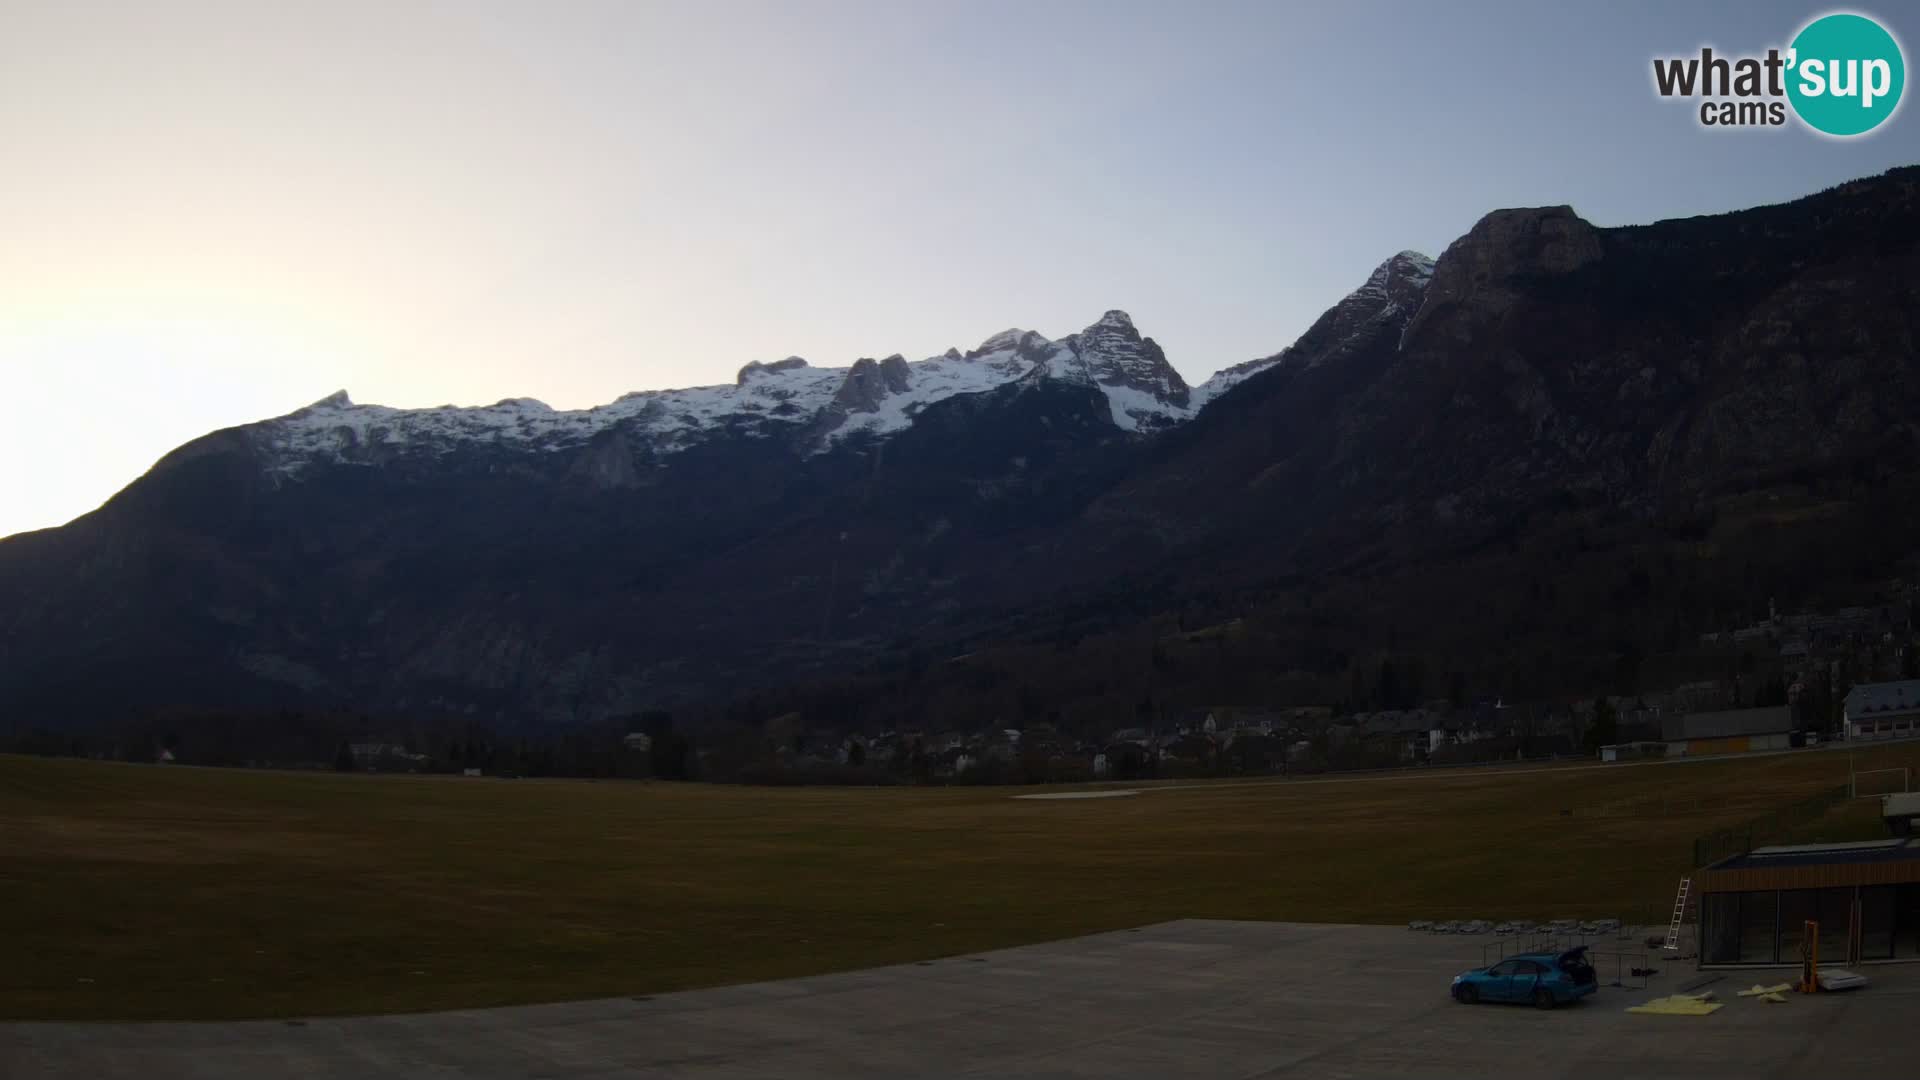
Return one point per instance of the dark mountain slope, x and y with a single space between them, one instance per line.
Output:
1553 364
543 588
1557 439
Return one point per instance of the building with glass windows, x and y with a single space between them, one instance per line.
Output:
1865 897
1889 710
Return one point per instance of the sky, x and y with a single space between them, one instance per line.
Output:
214 213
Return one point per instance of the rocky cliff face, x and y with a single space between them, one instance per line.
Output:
1554 363
1441 426
1491 266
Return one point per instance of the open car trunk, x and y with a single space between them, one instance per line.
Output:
1574 963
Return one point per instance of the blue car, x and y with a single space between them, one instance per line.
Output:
1542 979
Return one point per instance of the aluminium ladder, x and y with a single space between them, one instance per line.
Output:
1679 916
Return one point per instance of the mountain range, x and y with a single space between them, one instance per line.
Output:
1540 462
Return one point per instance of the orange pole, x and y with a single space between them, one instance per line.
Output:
1810 958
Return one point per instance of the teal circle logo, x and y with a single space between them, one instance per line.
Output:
1845 75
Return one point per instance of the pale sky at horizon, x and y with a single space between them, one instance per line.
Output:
213 213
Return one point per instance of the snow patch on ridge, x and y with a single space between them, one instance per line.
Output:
815 407
767 398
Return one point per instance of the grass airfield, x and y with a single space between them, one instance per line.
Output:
164 893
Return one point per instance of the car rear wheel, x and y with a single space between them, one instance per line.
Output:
1543 999
1466 995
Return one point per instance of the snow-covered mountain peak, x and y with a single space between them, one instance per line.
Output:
1407 270
761 367
1410 269
1143 390
805 407
336 400
1006 341
1393 290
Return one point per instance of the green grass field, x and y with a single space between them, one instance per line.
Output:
166 893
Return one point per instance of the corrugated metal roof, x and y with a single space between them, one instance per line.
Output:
1872 851
1828 849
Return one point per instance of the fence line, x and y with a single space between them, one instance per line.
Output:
1767 828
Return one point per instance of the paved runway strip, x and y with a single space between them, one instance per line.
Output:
1189 998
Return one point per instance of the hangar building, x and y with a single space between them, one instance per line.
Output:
1754 907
